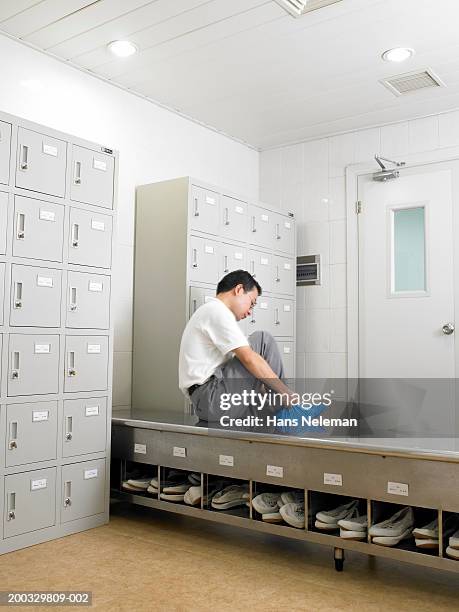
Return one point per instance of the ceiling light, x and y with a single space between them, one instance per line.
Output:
122 48
399 54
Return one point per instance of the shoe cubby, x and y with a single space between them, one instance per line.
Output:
325 509
423 541
136 478
180 486
278 505
450 524
227 495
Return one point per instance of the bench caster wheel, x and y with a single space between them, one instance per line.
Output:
339 559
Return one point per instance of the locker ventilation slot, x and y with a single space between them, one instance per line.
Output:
412 81
297 8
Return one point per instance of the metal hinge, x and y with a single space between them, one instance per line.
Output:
358 207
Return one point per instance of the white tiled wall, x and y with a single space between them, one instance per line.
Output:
308 179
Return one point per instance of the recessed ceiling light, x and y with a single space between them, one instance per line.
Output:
399 54
122 48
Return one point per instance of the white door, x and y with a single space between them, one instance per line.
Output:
406 303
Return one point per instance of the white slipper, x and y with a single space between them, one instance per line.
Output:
392 540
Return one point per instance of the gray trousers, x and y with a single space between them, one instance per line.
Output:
234 378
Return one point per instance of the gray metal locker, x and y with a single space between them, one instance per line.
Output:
205 210
284 277
261 227
1 353
90 239
231 258
286 350
233 219
33 364
283 317
260 265
35 296
285 234
38 229
203 260
88 300
262 318
198 297
5 150
3 221
30 501
86 363
84 426
2 290
82 490
92 177
41 163
31 432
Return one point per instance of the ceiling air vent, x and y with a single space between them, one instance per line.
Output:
412 81
297 8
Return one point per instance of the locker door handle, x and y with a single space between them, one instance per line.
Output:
77 176
276 316
252 268
254 229
15 370
226 269
71 360
73 299
226 216
195 258
20 226
195 304
13 443
69 428
277 275
17 295
196 209
278 236
67 493
11 510
75 235
24 163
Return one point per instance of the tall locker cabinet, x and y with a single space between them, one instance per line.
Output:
57 214
188 236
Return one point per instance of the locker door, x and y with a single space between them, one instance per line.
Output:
82 490
284 278
30 501
1 353
33 364
85 426
284 234
231 258
90 239
288 357
88 300
38 229
35 296
198 297
5 148
261 268
92 177
203 260
31 432
3 221
2 290
262 318
283 317
233 219
204 211
86 363
261 227
41 163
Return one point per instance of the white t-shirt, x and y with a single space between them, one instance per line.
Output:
209 337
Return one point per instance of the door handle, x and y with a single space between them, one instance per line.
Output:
17 295
69 428
24 163
71 361
195 258
73 299
75 235
196 209
20 226
11 510
77 176
254 229
448 329
67 493
276 316
13 443
278 236
226 269
15 370
277 275
227 216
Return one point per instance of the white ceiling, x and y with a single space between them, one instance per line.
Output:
248 68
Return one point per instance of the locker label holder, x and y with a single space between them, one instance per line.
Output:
40 415
36 485
42 349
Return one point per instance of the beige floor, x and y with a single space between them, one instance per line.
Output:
148 560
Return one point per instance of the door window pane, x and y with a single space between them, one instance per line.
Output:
409 270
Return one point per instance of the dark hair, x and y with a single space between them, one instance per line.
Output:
238 277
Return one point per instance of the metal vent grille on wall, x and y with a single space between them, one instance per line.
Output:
297 8
412 81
